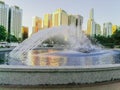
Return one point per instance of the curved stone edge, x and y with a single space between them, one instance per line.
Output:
26 75
6 49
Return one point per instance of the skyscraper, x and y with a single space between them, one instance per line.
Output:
24 32
76 20
37 24
78 24
79 21
60 17
4 9
47 21
91 14
71 20
107 29
91 23
15 21
97 29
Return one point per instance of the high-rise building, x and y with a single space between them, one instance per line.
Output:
24 32
79 21
47 21
37 24
107 29
114 28
72 20
91 24
15 21
97 29
4 11
60 17
76 20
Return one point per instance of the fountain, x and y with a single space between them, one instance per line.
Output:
79 42
79 62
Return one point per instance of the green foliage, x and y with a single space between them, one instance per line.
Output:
105 41
3 33
116 37
2 61
6 36
110 41
11 38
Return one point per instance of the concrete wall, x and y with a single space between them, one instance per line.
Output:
26 75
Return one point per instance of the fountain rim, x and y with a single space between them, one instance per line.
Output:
59 69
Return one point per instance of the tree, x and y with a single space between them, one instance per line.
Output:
12 38
105 41
116 37
3 33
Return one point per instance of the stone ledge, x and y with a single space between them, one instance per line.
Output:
60 69
26 75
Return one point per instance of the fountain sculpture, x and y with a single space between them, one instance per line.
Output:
80 62
76 38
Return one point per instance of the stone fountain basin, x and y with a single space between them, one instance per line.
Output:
28 75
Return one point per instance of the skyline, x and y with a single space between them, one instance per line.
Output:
104 11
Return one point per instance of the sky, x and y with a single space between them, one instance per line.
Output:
104 10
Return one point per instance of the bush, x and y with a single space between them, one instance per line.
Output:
109 45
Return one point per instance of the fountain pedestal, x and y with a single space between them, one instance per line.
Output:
24 75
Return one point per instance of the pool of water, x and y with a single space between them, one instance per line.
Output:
54 58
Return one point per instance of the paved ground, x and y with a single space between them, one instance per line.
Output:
103 86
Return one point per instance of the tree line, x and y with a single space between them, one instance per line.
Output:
5 36
110 41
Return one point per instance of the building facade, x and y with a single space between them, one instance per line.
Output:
25 32
71 20
4 12
93 28
37 24
60 17
97 29
15 21
47 21
91 24
107 29
76 20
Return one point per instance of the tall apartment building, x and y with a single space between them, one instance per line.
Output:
60 17
107 29
93 28
97 29
37 24
91 23
4 11
25 32
76 20
72 20
15 21
47 21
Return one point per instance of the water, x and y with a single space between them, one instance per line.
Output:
76 39
60 58
3 58
79 51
